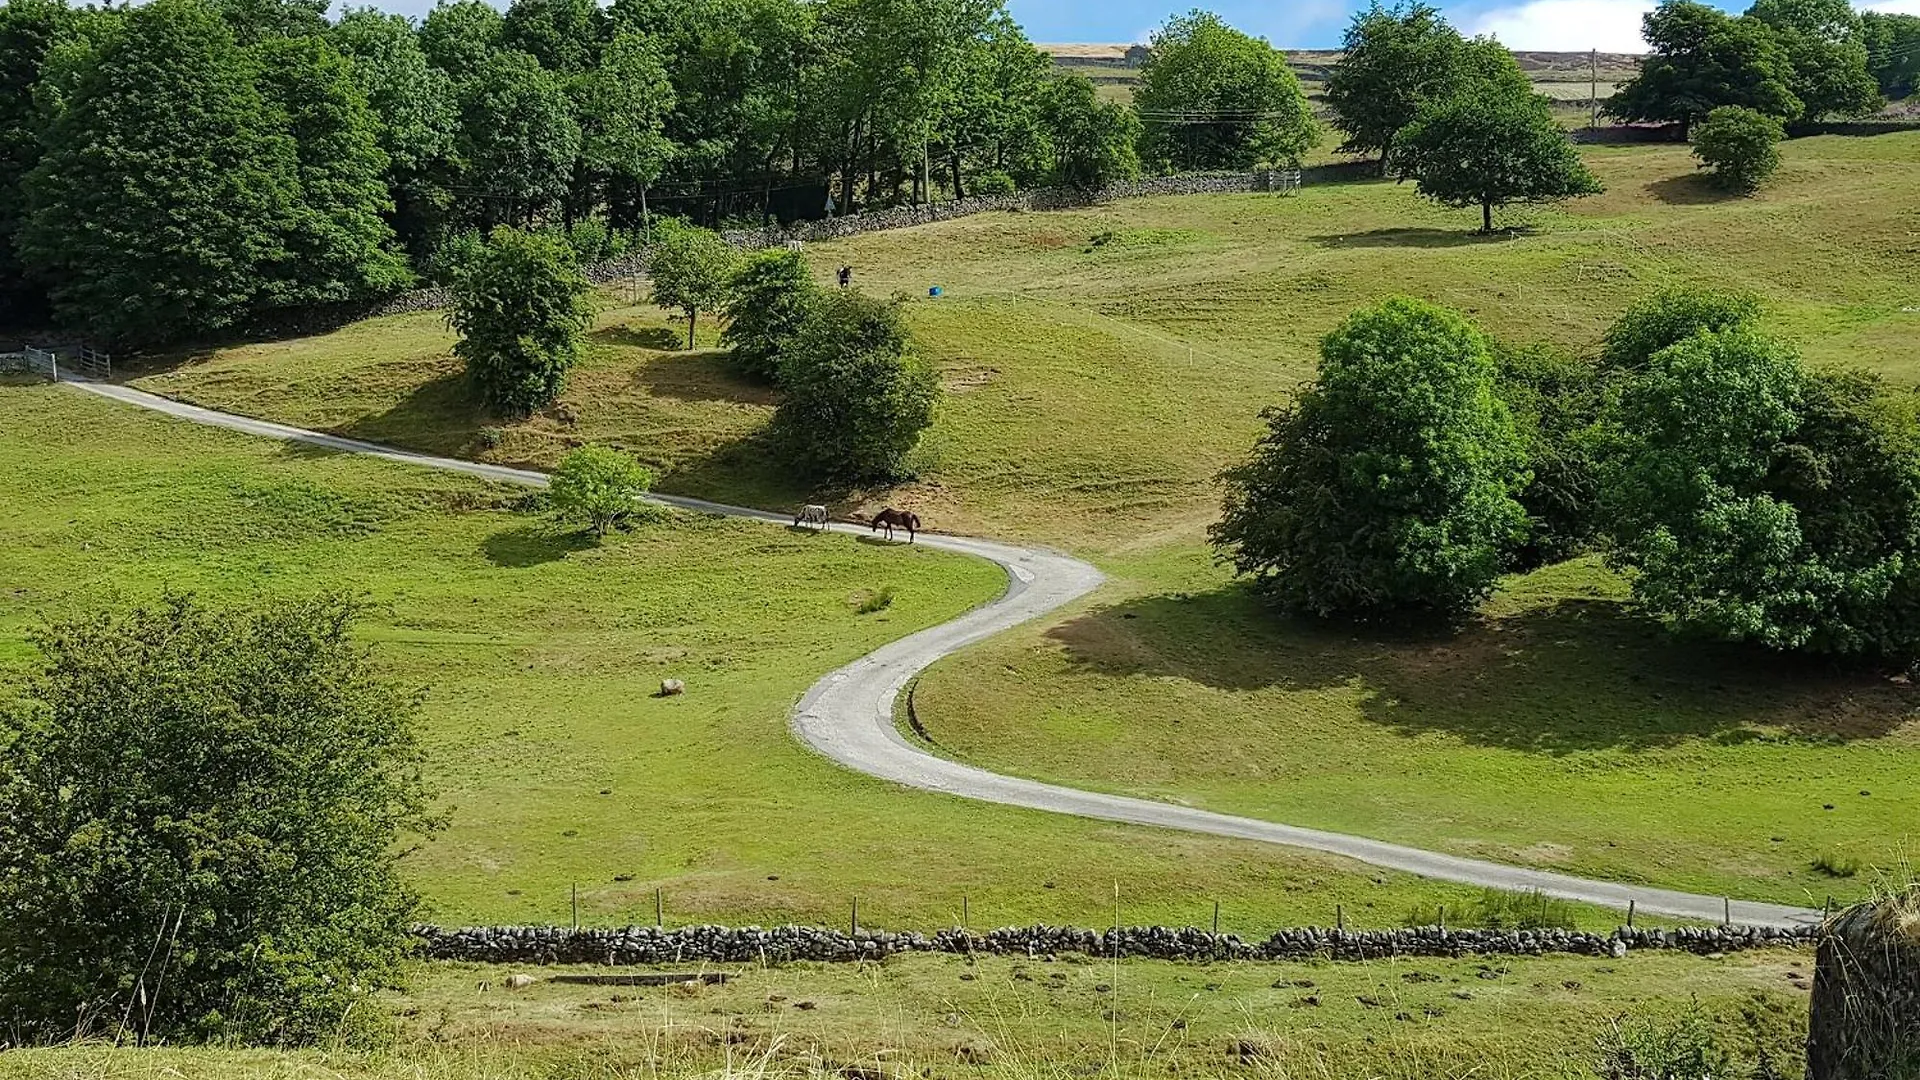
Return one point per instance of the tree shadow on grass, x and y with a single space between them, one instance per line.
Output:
705 375
531 545
1691 189
1416 238
1576 675
656 338
439 416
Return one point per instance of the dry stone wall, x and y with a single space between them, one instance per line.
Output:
720 944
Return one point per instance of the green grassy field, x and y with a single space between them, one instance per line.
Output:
1104 364
994 1018
540 651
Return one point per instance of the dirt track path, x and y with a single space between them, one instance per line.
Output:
847 716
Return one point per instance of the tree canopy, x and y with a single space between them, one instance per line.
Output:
690 271
1211 97
1701 59
1825 45
1491 147
1394 60
203 807
1386 490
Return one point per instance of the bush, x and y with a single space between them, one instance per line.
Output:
768 300
1498 909
598 485
520 312
456 257
1386 491
1740 147
992 182
1836 865
592 241
1759 502
202 810
1646 1045
876 601
1670 317
689 268
857 393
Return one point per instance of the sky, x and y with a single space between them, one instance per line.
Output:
1557 25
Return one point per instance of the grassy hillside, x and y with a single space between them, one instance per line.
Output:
1105 363
540 651
1002 1019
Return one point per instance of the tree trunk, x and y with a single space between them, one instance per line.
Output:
954 158
692 314
1486 217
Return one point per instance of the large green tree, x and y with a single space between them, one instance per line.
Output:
29 30
1825 43
521 311
200 814
1395 59
518 137
858 393
166 183
564 35
622 105
1893 51
1385 491
1091 143
415 120
337 244
1701 59
769 298
1758 502
1491 147
458 36
1211 97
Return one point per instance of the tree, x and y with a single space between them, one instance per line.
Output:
1385 491
337 244
1757 502
164 186
518 134
203 809
1739 146
689 268
459 36
255 21
29 31
1669 317
1491 147
1395 59
1557 401
1212 97
598 485
858 394
520 312
768 301
1092 142
415 120
1703 59
1825 44
1893 51
564 35
622 106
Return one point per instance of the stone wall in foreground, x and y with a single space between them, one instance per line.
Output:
720 944
1865 1022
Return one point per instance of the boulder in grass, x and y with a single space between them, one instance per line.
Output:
672 687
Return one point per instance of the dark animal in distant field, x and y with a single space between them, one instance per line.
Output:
890 518
811 514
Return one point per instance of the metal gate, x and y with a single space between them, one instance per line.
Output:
60 362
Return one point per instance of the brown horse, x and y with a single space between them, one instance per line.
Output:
890 518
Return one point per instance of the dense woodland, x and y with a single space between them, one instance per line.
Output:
186 166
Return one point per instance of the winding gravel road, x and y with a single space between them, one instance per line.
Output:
848 715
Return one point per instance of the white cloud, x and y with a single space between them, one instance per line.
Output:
1896 7
1569 25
